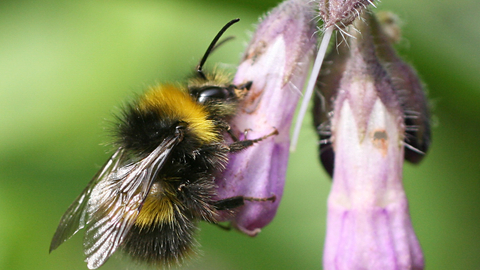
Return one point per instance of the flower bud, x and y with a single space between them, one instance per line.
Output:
276 62
368 225
408 88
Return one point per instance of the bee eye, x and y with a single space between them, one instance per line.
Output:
211 93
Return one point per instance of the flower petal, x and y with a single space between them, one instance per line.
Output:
276 61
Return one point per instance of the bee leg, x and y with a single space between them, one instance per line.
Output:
224 227
225 126
240 145
229 203
232 135
237 201
272 198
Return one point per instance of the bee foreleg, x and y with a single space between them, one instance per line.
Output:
240 145
224 227
229 203
237 201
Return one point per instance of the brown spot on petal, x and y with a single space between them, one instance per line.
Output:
255 52
380 141
251 101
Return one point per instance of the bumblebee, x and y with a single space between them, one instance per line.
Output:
150 195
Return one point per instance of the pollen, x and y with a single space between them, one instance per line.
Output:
174 102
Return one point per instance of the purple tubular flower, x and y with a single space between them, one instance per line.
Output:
405 82
368 225
276 62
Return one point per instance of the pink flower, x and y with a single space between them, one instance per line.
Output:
276 62
368 225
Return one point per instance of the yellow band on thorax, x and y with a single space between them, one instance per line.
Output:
174 102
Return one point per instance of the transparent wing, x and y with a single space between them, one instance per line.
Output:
115 202
74 218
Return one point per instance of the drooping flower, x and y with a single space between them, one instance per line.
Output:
368 224
410 91
276 62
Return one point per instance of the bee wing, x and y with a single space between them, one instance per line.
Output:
74 218
115 202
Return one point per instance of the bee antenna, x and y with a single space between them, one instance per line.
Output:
225 40
212 47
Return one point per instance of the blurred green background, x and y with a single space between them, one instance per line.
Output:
65 65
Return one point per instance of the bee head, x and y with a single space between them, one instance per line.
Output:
214 89
212 93
207 94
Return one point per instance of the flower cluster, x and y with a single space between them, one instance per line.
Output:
372 115
368 225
